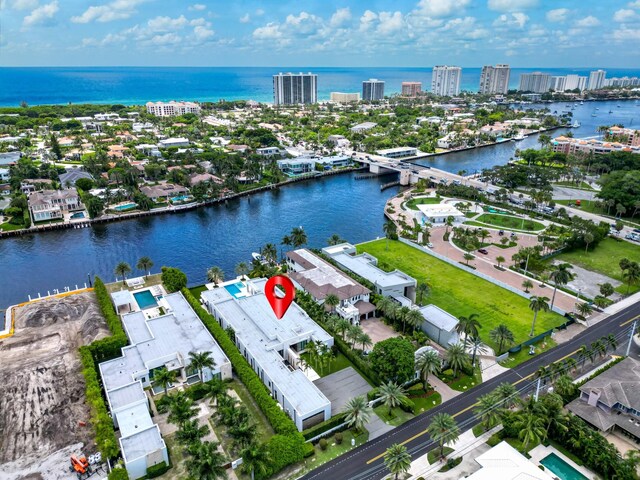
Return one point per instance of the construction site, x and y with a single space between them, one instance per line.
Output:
43 416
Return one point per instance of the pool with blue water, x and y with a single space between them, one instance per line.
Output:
145 300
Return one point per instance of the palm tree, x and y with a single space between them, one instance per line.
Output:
392 395
506 394
200 361
477 346
564 386
332 301
335 239
242 269
561 275
428 362
255 458
181 409
390 230
531 429
631 275
500 259
536 304
357 412
502 336
364 339
144 264
610 341
583 353
468 257
207 463
342 326
468 326
215 275
584 309
215 388
422 289
527 284
353 332
298 237
397 459
599 347
164 378
488 410
457 358
443 429
122 269
413 318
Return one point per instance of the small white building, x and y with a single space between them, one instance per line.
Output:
173 142
363 127
440 326
268 151
398 152
4 174
439 213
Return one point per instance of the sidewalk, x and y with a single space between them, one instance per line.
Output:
465 444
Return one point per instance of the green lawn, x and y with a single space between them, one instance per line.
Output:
434 455
422 404
604 259
461 293
333 449
522 356
397 417
590 206
7 227
412 204
507 221
340 362
464 382
580 186
196 291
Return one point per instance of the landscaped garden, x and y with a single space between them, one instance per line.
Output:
461 293
414 202
509 222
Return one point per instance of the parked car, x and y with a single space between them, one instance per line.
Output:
636 230
483 250
430 245
501 233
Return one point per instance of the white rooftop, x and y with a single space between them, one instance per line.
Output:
439 318
123 297
126 395
142 443
504 462
439 210
134 419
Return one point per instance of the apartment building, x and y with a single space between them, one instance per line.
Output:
495 79
411 89
578 146
445 80
295 88
372 90
596 79
535 82
340 97
172 108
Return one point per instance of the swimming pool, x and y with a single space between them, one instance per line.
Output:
145 300
78 215
126 206
180 198
234 289
562 469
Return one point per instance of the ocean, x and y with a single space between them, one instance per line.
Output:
138 85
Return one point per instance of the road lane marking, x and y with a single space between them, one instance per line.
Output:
629 321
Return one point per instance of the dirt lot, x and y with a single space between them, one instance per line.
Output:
42 394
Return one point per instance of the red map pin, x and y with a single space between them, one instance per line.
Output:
280 305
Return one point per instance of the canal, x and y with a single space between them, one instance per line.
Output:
226 234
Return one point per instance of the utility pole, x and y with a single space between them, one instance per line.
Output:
633 330
535 396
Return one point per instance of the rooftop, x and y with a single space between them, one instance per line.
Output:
320 278
439 210
439 318
505 463
619 384
142 443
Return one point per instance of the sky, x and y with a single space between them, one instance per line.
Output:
393 33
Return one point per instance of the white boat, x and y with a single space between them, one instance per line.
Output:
518 137
257 256
581 102
575 124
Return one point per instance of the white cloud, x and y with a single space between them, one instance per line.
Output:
303 24
367 19
167 24
269 31
41 14
511 5
625 16
588 22
390 22
202 33
440 8
115 10
626 35
511 20
259 12
557 15
340 17
246 18
198 7
23 4
166 39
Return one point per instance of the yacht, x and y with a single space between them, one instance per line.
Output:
518 137
256 256
575 124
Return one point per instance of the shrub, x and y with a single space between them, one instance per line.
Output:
118 473
316 430
197 391
106 307
173 279
323 443
156 470
338 438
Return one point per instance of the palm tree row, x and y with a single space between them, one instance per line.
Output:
123 268
396 313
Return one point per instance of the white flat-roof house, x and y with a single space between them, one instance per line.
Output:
398 152
319 278
439 325
268 151
173 142
503 462
272 347
163 341
439 213
397 285
297 166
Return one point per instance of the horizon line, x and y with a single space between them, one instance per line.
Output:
301 66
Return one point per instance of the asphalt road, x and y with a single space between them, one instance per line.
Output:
366 462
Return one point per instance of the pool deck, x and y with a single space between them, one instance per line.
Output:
540 452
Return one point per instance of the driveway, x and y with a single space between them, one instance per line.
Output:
342 386
378 330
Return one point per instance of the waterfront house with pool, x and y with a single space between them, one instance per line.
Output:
319 278
163 191
273 346
163 341
53 204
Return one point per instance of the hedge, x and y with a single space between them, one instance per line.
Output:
324 426
100 419
108 347
156 470
118 473
288 442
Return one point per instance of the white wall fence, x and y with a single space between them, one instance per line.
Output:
473 272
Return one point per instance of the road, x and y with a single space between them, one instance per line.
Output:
366 463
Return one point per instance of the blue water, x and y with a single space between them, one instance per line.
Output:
127 206
145 299
78 215
180 198
234 289
137 85
562 469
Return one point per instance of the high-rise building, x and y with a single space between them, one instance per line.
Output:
295 88
575 82
557 84
411 89
372 89
445 80
536 82
596 79
495 79
340 97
